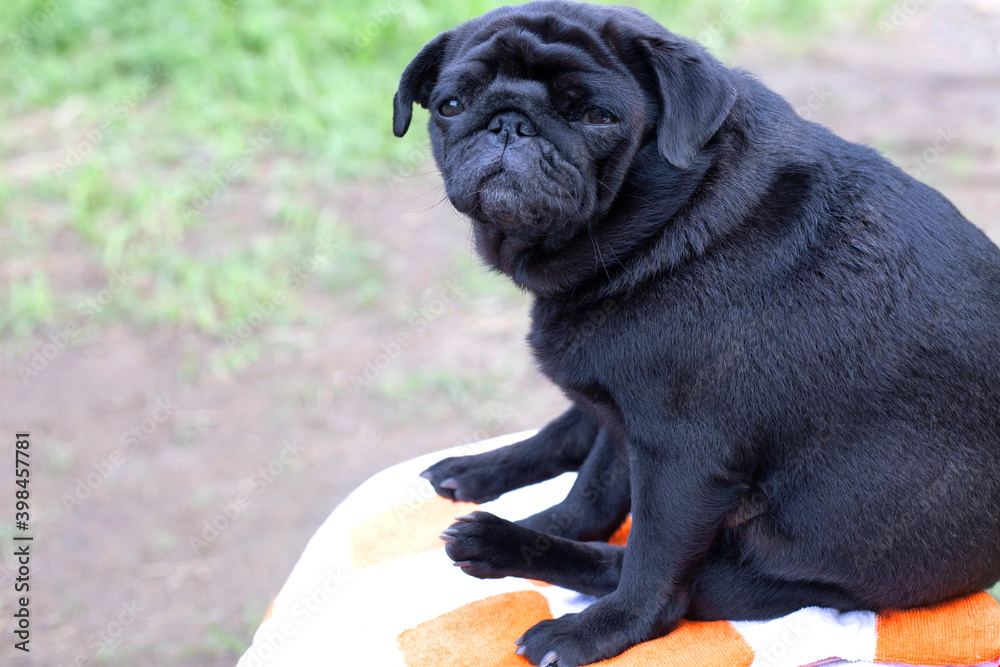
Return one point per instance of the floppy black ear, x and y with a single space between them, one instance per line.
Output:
417 82
695 94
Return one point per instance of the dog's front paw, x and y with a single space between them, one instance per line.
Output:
564 642
469 479
486 546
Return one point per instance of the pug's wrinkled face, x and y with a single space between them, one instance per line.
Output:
523 134
537 112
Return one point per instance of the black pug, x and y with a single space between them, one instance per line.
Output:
783 352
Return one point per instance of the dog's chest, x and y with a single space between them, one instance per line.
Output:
652 355
588 354
573 344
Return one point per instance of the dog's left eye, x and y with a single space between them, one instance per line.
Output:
451 108
598 116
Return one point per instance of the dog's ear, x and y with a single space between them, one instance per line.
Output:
695 94
417 82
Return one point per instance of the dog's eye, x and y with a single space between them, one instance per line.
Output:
451 108
598 116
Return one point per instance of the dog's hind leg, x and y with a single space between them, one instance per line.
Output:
563 445
488 547
598 502
723 588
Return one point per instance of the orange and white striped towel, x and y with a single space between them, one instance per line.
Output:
374 587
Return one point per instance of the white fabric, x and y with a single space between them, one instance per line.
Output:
329 614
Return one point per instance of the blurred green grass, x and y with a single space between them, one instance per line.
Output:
132 128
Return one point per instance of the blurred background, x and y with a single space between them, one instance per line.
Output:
228 294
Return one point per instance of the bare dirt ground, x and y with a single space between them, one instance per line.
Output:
140 448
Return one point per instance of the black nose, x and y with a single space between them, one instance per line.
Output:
512 123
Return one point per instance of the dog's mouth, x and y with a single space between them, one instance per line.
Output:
502 200
527 204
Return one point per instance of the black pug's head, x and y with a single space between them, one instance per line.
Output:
537 113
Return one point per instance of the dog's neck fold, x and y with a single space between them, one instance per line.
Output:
615 253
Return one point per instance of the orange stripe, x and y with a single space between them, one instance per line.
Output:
268 613
481 633
403 530
961 632
620 536
691 644
270 609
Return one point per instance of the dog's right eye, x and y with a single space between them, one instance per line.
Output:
451 108
598 116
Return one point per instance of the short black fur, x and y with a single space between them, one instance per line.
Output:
783 352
